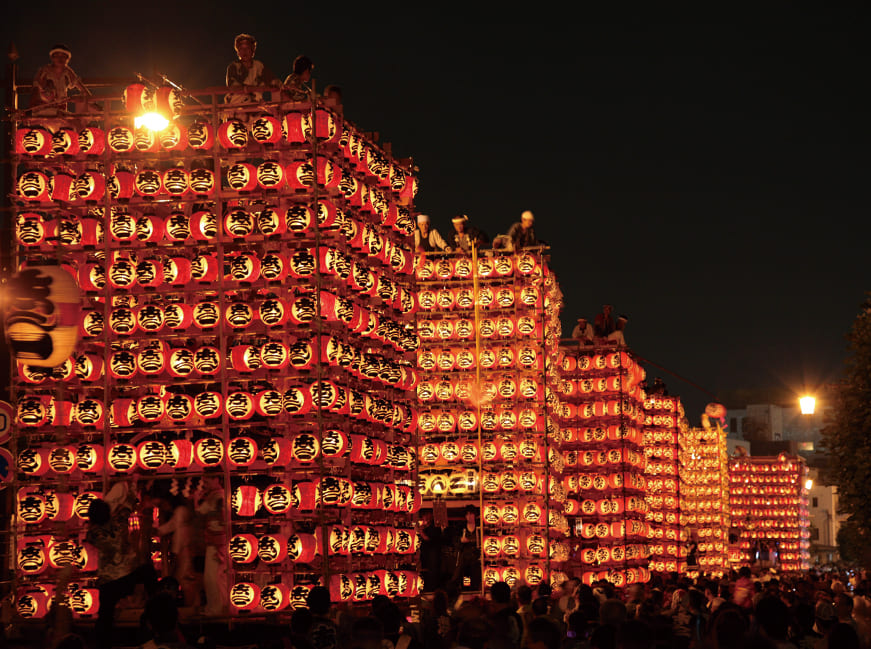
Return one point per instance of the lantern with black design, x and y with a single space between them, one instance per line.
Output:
268 402
147 183
33 186
33 140
209 452
120 139
202 180
232 134
173 137
150 228
242 548
272 548
275 355
245 596
277 498
239 405
239 315
241 266
122 458
297 401
270 176
176 181
151 454
242 177
299 218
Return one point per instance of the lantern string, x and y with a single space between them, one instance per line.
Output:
675 375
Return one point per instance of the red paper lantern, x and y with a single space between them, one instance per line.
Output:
209 451
33 186
120 139
245 596
92 141
242 548
175 181
232 134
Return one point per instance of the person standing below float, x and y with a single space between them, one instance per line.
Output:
210 505
522 234
465 235
427 238
247 72
121 563
55 82
468 553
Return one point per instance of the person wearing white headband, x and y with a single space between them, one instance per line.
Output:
466 234
428 239
55 82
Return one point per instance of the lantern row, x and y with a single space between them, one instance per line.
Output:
300 450
267 133
178 408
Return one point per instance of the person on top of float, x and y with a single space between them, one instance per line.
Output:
247 71
56 81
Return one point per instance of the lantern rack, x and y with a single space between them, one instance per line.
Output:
362 215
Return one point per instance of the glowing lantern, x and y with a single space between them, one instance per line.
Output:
202 181
89 458
242 177
246 500
272 548
31 507
232 134
209 451
245 596
175 181
242 548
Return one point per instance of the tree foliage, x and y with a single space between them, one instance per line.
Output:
847 433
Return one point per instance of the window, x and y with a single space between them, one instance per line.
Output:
815 502
733 425
815 534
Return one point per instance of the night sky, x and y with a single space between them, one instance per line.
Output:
707 179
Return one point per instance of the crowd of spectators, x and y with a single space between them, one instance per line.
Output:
809 611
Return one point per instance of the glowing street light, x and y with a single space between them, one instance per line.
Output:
808 484
807 404
152 121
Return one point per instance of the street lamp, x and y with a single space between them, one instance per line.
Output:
807 404
808 484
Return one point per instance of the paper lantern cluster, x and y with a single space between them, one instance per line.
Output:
704 495
601 420
512 344
244 302
769 509
664 421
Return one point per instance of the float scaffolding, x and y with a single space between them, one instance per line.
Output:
489 330
243 298
768 497
601 426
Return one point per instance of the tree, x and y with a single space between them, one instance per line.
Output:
847 433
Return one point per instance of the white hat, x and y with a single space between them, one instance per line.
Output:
460 218
527 214
422 218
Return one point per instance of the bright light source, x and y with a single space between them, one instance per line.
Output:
808 484
151 121
807 404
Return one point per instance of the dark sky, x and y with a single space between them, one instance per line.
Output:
709 179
